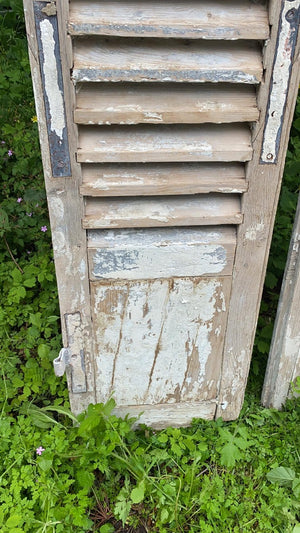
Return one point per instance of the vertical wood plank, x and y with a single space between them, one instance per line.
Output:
284 357
65 208
254 235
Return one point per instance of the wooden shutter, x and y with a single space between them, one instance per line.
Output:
162 164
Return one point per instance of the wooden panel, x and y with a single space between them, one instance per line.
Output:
161 253
164 179
284 357
112 59
165 336
100 144
156 103
165 415
227 19
160 212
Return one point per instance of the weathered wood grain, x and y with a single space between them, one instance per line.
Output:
162 179
65 210
213 143
165 336
254 235
231 19
165 415
284 357
160 212
161 253
164 104
110 59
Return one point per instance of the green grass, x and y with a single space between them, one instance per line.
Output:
99 475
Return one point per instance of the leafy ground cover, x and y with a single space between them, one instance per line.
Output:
99 475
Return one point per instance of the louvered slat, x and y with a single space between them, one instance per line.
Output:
161 179
169 211
164 103
164 143
113 59
161 252
223 19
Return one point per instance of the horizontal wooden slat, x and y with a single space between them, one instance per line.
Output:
161 252
162 416
163 179
223 19
101 144
167 103
159 212
97 59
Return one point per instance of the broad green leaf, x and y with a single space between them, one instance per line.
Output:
230 454
296 487
281 475
14 520
45 464
137 494
296 529
43 350
107 528
164 515
85 478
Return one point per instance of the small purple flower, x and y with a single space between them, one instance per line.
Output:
44 228
19 200
10 153
2 142
40 450
29 214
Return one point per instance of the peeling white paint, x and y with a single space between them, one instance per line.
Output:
151 254
154 340
54 95
151 116
57 208
59 242
280 83
253 231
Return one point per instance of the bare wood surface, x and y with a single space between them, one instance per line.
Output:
284 357
65 210
178 326
227 19
165 415
164 103
100 144
254 237
161 253
162 179
110 59
160 212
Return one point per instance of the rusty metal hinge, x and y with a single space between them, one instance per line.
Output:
50 9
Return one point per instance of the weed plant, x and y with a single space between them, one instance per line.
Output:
94 473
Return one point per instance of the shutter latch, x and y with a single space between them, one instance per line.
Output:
71 359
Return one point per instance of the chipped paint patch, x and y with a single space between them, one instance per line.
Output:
159 262
150 254
54 95
253 231
155 339
286 42
52 83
